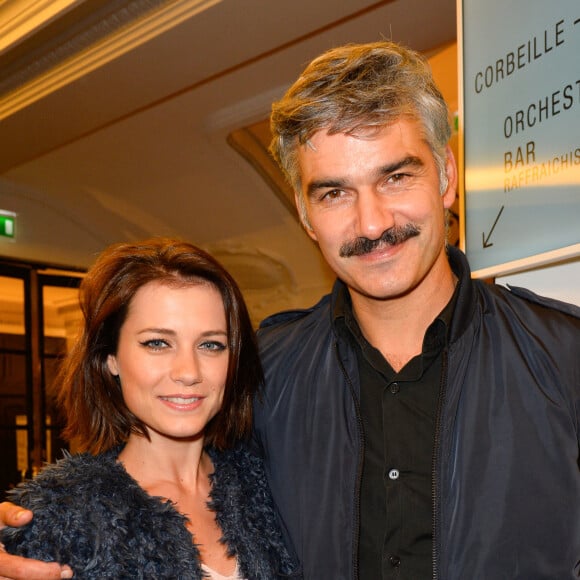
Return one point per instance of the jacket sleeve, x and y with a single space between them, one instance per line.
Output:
59 530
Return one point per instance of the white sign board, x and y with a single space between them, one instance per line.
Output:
520 118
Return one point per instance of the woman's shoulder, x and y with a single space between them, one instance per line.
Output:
237 465
77 481
238 473
91 514
70 477
250 522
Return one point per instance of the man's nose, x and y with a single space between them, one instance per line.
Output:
373 213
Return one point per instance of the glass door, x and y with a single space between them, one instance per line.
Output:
61 321
13 377
39 318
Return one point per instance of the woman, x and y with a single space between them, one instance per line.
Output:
157 394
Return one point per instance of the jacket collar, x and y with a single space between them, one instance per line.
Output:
465 305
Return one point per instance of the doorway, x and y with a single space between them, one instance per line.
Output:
39 319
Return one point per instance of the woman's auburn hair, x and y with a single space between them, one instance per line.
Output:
95 414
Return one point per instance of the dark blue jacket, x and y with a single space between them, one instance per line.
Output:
506 479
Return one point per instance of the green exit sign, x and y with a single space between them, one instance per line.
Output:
7 224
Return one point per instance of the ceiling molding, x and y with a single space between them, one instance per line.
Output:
252 143
130 25
19 19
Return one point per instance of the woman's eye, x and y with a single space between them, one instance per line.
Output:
213 345
155 343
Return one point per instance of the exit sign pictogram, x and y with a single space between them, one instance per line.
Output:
7 224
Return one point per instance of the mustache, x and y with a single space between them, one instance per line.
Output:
390 237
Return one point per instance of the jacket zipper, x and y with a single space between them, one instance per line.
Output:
436 453
355 530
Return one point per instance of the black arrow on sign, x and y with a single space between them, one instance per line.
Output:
485 240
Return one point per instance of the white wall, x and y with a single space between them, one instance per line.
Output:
561 281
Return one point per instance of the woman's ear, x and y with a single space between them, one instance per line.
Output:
112 364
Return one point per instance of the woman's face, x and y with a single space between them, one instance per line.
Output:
172 357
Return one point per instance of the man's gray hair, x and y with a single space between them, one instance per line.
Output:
352 89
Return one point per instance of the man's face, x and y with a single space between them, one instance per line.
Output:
375 207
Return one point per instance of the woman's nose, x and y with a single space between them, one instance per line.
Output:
186 369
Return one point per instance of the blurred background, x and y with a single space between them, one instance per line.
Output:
124 119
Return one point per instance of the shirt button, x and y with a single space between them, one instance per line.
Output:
395 561
394 474
394 388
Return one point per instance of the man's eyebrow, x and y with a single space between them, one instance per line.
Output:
315 185
409 161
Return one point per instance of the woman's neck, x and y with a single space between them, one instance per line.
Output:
165 464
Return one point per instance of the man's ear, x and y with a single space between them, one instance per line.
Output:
300 207
452 178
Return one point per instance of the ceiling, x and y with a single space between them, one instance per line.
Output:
124 119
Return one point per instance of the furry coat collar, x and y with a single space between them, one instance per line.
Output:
89 513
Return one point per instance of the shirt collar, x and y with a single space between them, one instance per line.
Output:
345 321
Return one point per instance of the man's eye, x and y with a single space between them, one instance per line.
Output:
332 194
397 177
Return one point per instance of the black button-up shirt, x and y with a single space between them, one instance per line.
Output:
398 414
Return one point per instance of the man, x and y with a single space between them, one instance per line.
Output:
416 424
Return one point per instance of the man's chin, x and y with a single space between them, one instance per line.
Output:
377 291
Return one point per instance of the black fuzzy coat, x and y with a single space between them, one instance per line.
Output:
91 514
